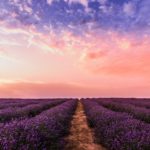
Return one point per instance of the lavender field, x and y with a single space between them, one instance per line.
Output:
74 74
119 124
72 124
38 125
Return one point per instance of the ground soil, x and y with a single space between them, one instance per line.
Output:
81 137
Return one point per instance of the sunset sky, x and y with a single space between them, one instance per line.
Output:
74 48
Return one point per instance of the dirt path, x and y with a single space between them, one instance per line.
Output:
81 136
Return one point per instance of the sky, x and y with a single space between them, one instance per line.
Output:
74 48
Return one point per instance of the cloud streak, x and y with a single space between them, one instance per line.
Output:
46 90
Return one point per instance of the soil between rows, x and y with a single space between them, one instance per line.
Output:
81 137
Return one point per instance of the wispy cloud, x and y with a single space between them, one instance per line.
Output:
25 37
108 52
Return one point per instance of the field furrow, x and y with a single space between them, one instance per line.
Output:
81 136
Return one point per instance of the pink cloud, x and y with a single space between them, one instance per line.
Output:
36 90
33 89
119 56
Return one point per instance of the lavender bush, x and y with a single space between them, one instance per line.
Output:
115 130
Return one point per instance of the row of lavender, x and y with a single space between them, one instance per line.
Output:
141 102
116 130
137 112
45 131
14 103
29 110
135 101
